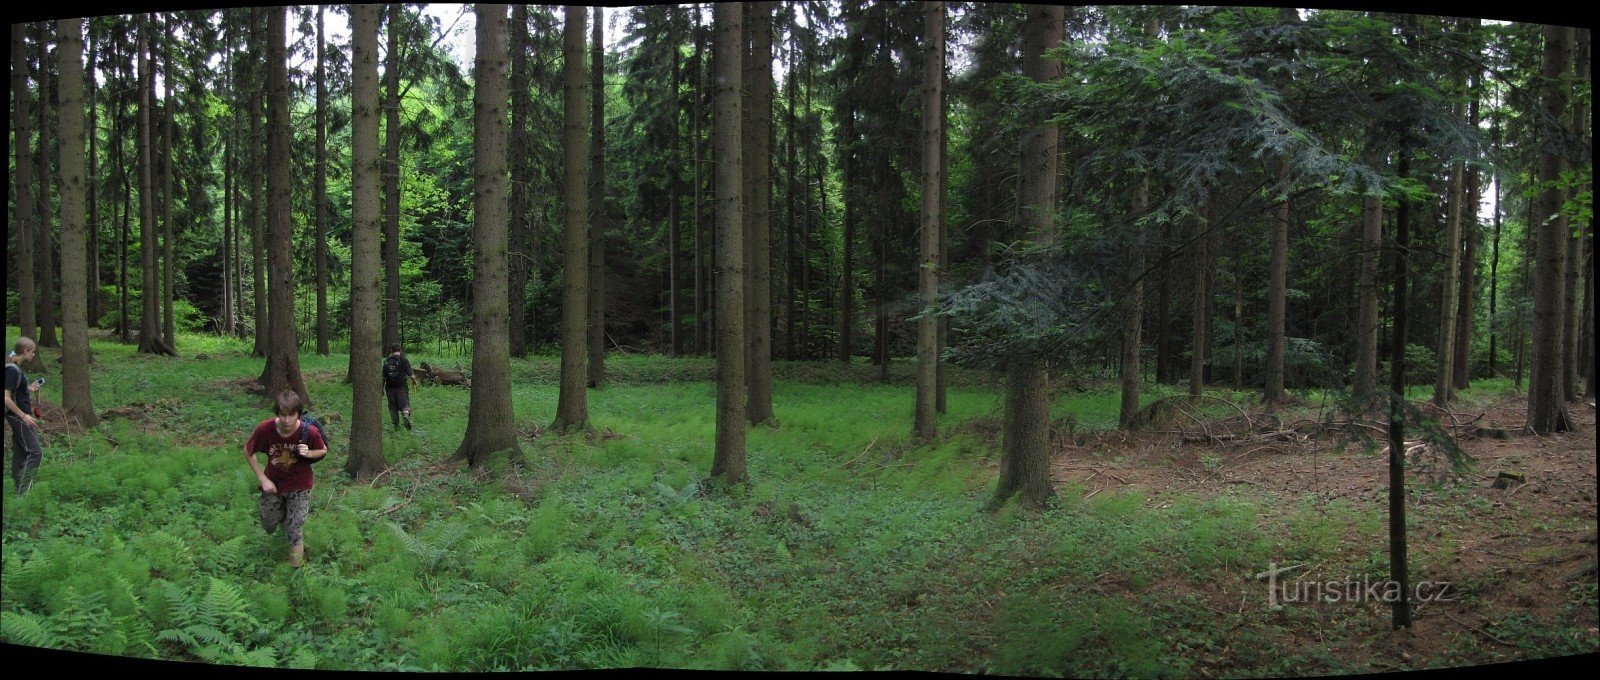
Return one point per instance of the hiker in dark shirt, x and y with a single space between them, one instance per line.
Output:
396 373
25 449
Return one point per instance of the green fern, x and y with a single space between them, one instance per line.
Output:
432 552
229 556
25 628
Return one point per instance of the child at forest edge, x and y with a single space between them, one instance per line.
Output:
25 449
286 480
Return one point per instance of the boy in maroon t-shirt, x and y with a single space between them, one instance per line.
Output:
286 480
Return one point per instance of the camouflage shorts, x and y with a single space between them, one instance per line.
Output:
289 509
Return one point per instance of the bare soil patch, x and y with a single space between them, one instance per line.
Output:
1520 550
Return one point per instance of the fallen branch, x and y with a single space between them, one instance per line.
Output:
1477 630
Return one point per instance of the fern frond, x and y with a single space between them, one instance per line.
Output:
25 628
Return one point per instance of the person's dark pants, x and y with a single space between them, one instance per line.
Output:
399 400
25 453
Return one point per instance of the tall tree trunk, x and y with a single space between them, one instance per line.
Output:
1025 455
320 191
1398 571
366 324
229 204
1529 246
572 406
1365 384
491 426
597 207
521 175
125 184
674 199
1444 384
701 329
791 222
169 332
258 200
1277 294
25 218
1202 296
1573 313
757 164
96 309
1547 411
847 295
45 245
943 332
391 183
1164 367
1133 315
1467 300
150 341
1494 265
75 396
923 427
728 462
282 371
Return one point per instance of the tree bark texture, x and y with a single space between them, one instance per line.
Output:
320 190
1547 411
283 346
1025 454
491 425
1277 292
25 218
366 323
75 395
572 406
597 206
391 183
728 461
923 427
757 165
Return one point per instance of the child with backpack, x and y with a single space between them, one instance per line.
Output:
396 373
291 447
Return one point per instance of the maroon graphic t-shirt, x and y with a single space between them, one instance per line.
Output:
286 468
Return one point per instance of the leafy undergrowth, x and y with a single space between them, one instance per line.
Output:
850 549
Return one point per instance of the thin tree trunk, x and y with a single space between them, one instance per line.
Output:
46 285
1133 315
597 207
572 406
366 458
790 221
851 198
1365 384
1277 295
923 427
1444 384
96 309
521 175
695 89
1398 570
391 183
1164 366
75 395
674 200
320 197
25 218
1202 295
1494 267
491 425
757 165
169 332
728 462
258 198
150 321
1572 312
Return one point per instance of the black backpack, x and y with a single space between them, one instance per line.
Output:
308 421
391 371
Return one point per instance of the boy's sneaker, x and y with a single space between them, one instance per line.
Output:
406 418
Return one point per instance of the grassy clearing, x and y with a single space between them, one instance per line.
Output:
851 549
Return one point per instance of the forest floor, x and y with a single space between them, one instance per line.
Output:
851 547
1513 555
